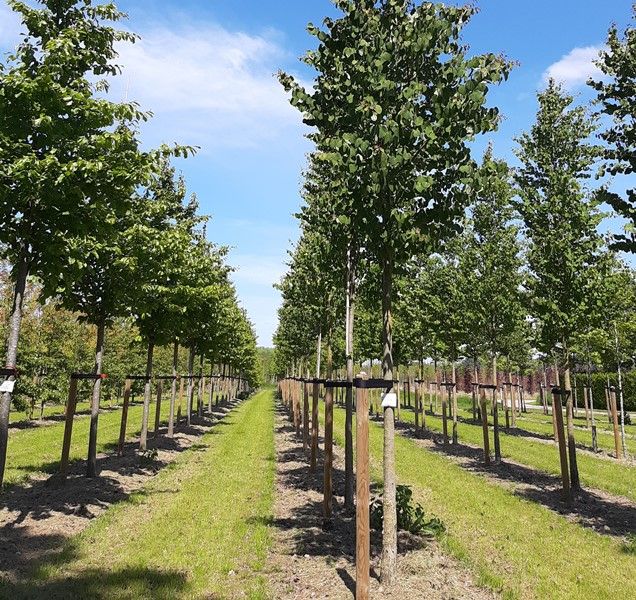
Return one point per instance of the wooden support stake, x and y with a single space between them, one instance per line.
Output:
158 407
617 434
68 426
363 534
484 425
305 417
314 428
557 410
124 418
328 466
445 417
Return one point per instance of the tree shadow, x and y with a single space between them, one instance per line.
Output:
594 509
26 541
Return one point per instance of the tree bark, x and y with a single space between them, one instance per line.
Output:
143 439
21 271
173 395
389 533
91 466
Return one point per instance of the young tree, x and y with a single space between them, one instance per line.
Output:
63 159
617 98
395 102
560 218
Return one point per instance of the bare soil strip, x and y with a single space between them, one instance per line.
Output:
308 562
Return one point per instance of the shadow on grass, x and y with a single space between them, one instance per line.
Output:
98 584
591 508
68 504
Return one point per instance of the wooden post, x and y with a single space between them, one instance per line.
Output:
484 426
328 466
71 403
617 435
557 409
305 417
495 425
363 535
417 406
124 418
158 407
445 417
180 400
314 428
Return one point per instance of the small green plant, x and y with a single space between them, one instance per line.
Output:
629 547
410 516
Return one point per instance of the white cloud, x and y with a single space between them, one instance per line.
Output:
575 68
255 270
208 86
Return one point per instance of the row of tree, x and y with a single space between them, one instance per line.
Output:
104 226
428 255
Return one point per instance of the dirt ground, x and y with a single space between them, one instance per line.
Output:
37 518
308 562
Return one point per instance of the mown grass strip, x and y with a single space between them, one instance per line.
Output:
513 545
599 473
198 530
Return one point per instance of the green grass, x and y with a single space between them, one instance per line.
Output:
200 529
515 546
600 473
38 449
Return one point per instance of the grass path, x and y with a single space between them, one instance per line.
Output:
198 530
515 545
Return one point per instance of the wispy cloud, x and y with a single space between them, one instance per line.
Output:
257 270
208 86
575 68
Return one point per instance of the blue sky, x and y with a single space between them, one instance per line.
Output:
205 68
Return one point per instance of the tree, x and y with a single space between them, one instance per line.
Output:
616 94
560 218
63 151
395 101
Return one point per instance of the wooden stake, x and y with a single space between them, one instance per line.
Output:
363 535
124 418
328 466
305 417
614 411
71 403
158 407
484 425
557 410
314 429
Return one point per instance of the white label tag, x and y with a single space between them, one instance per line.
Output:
7 386
389 400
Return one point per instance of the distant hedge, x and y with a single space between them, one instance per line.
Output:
599 381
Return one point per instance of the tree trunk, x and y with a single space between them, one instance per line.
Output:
173 395
620 391
389 533
143 439
350 312
91 467
200 387
15 321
